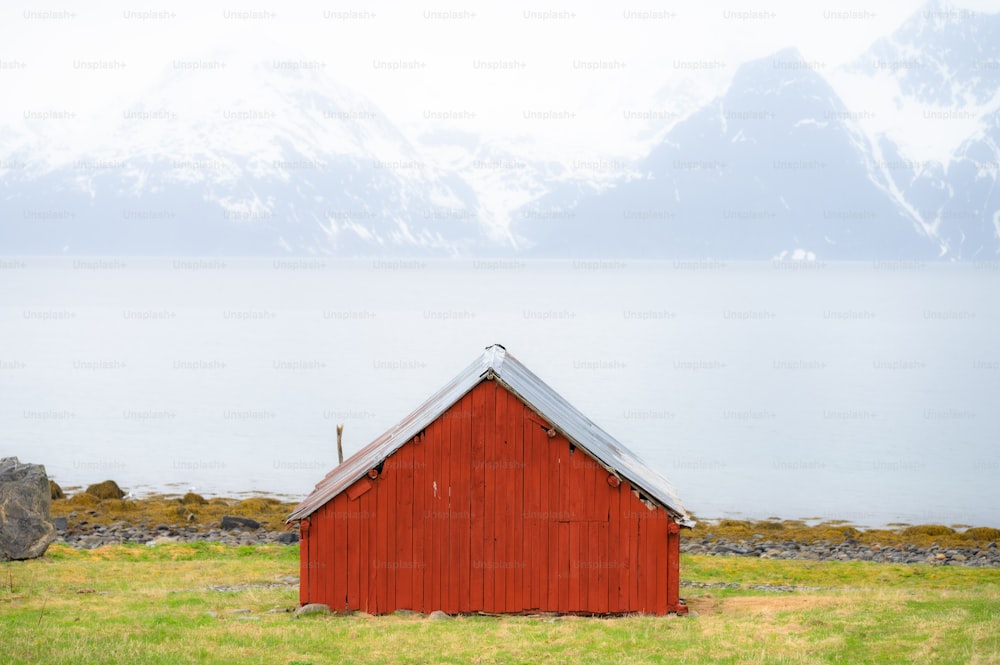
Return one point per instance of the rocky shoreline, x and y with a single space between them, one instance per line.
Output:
850 550
88 536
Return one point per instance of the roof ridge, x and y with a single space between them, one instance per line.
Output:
497 363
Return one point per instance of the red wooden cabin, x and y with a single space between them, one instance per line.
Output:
495 495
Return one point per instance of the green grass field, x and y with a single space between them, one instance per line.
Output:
138 604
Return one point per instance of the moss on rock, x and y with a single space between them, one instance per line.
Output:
193 499
928 530
83 499
106 490
982 533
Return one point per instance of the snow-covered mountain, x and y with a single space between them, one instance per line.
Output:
775 167
269 159
933 92
782 165
895 155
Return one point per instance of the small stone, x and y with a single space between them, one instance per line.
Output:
90 542
958 557
287 538
312 608
60 523
241 610
438 615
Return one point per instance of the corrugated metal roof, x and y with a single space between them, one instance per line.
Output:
498 365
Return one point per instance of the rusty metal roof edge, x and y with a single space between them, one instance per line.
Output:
496 363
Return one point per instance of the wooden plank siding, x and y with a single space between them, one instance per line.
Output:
485 511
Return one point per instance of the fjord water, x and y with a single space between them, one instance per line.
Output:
857 391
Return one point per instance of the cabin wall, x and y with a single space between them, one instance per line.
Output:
483 511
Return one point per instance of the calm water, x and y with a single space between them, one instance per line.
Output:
863 391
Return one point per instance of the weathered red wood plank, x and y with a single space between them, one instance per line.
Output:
544 521
642 538
318 592
599 584
624 548
420 481
366 504
637 592
660 552
328 544
566 507
648 540
391 476
565 567
353 553
373 525
440 515
383 518
491 494
324 550
635 510
432 586
503 501
358 488
449 563
574 566
588 466
533 464
478 498
515 430
462 449
584 565
404 526
556 572
616 561
339 568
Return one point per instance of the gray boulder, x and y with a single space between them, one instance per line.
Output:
26 528
230 522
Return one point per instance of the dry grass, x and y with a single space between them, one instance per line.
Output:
129 604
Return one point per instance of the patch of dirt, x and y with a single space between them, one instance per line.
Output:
704 604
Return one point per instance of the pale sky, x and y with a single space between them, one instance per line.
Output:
553 45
